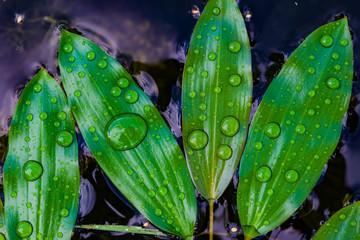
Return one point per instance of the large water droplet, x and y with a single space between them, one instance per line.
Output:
224 152
125 131
61 116
291 176
326 41
123 83
32 170
258 146
43 116
29 117
300 129
131 96
234 80
64 212
216 11
197 139
90 56
311 70
212 56
2 237
163 191
344 42
102 64
229 126
234 47
37 88
67 48
24 229
263 174
64 138
272 130
115 91
333 83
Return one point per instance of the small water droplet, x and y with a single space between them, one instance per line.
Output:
77 93
61 116
212 56
123 83
326 41
353 223
151 193
217 90
344 42
192 94
263 174
181 196
71 59
234 47
229 126
67 48
32 170
216 11
163 191
190 69
115 91
24 229
29 117
311 93
64 138
224 152
234 80
158 212
300 129
258 145
102 64
311 70
37 88
202 106
202 117
334 55
291 176
270 192
197 139
298 87
311 112
125 131
90 55
204 74
53 100
131 96
43 116
272 130
81 74
333 83
342 216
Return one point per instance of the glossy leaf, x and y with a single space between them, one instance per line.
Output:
295 129
41 173
217 88
3 231
344 224
125 229
127 135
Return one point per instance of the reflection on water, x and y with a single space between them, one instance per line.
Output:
150 39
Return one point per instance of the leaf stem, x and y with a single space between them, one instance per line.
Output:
211 219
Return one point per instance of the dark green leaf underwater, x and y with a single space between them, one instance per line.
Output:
41 173
127 135
295 129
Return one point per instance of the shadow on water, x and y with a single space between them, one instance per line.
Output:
150 38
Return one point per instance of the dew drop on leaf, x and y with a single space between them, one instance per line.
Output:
53 100
125 131
197 139
43 116
163 191
311 70
29 117
216 11
77 93
212 56
332 83
151 193
37 88
64 212
300 129
263 174
258 145
272 130
123 82
181 196
234 47
158 212
102 64
234 80
90 55
24 229
326 41
224 152
64 138
61 116
229 126
115 91
67 48
344 42
291 176
32 170
131 96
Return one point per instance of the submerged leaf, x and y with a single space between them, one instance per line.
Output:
127 135
41 173
344 224
295 129
217 88
127 229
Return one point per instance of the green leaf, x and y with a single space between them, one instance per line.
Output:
295 129
344 224
127 135
127 229
3 231
41 173
217 88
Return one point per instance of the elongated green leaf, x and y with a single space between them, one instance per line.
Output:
344 224
217 87
3 231
127 229
41 173
127 135
295 129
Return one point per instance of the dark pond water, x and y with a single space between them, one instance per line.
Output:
149 38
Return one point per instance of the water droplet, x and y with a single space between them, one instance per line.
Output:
333 83
197 139
311 70
224 152
204 74
151 193
234 47
64 212
311 93
311 112
81 74
298 87
202 106
337 67
90 55
270 192
192 94
190 69
102 64
115 91
263 174
291 176
37 88
272 130
64 138
217 90
334 55
213 28
258 145
32 170
212 56
234 80
229 126
327 101
61 116
181 196
344 42
131 96
53 100
342 216
163 191
125 131
67 48
59 234
69 69
216 11
300 129
353 223
43 116
24 229
29 117
77 93
71 59
202 117
326 41
158 212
